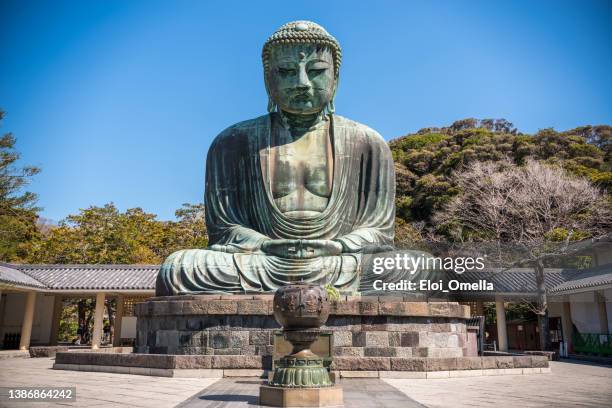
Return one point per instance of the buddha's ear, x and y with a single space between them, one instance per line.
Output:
330 107
272 107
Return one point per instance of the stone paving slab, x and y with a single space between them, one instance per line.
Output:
6 354
244 392
569 384
95 389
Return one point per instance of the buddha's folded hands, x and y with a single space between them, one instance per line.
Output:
301 248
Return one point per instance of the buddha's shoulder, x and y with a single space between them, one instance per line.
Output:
241 131
359 129
249 124
238 131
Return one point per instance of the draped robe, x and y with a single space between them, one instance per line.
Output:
241 214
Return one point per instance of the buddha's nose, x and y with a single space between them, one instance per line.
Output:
303 83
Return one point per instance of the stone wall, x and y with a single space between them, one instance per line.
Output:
244 325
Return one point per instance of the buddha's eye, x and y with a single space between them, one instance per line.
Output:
286 71
313 72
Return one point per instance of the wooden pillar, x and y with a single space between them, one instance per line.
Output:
502 333
28 319
603 313
567 326
96 337
117 323
479 308
58 306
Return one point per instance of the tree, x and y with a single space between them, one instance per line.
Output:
538 209
426 160
18 211
99 235
189 231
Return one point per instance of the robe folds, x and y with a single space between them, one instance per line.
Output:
241 214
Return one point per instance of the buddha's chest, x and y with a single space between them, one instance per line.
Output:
301 172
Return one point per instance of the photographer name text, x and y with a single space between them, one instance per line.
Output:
429 285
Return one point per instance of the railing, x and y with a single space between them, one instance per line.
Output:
593 343
489 346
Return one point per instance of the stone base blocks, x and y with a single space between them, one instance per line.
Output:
214 335
300 397
244 325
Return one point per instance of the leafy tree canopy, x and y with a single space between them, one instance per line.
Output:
101 235
426 160
17 208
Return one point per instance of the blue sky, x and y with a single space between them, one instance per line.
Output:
119 100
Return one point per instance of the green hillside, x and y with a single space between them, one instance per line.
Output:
426 159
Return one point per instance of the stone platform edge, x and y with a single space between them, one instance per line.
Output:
262 374
51 351
153 362
262 305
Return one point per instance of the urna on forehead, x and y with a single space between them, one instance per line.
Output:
302 32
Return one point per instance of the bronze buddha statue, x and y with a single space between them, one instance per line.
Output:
297 195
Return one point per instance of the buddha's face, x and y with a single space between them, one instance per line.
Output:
301 78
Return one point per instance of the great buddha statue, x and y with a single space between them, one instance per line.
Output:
297 195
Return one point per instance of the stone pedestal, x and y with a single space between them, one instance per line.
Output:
300 397
244 325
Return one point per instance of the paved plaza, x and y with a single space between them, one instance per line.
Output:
568 385
573 384
98 389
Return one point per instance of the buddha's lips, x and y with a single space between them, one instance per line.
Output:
302 98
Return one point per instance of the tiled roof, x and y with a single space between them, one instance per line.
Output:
587 245
517 280
10 275
591 278
93 277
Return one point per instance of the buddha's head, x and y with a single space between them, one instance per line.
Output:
301 65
